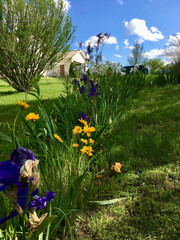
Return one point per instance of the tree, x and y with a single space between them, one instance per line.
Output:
137 55
34 35
156 65
173 53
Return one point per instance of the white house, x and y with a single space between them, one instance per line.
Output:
62 68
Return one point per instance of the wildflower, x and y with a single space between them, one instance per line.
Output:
83 116
9 174
85 78
82 89
117 167
15 177
84 141
23 104
32 116
58 138
20 155
91 141
77 130
75 145
88 130
88 150
82 121
75 82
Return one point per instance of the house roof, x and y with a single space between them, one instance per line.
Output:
71 53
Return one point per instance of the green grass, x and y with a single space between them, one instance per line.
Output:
146 141
51 88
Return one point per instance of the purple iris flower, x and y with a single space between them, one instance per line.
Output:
9 174
82 89
83 116
20 155
75 82
85 78
40 203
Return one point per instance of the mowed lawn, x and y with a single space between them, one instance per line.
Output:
50 88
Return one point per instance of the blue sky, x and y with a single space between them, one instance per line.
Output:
151 22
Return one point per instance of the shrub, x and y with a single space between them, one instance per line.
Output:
72 70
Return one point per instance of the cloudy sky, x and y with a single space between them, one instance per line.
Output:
151 22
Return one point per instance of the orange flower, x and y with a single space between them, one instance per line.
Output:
84 141
83 121
23 104
77 130
91 141
88 150
88 130
32 116
117 167
75 145
58 138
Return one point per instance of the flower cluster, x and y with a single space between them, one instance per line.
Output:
20 178
86 130
23 104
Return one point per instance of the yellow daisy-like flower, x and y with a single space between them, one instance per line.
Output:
58 138
91 141
75 145
83 121
88 130
23 104
117 167
32 116
88 150
77 130
84 141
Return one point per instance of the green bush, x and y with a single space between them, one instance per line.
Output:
72 70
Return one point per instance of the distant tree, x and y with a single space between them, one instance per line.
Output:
34 35
155 65
137 55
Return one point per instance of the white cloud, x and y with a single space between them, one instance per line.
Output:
155 53
138 27
117 47
93 41
67 5
126 42
120 2
117 55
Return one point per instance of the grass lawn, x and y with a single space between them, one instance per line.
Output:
146 141
51 88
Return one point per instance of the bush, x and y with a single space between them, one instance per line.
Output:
72 70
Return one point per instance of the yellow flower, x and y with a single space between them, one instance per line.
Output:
84 141
91 141
88 130
83 121
77 130
23 104
75 145
32 116
88 150
117 167
58 138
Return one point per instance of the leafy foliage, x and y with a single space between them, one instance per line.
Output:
137 55
34 36
72 70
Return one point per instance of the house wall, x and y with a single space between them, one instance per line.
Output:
78 58
55 72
